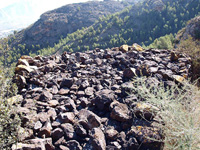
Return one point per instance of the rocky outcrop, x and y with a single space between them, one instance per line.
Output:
192 29
80 101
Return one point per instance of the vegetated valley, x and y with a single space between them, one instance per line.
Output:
86 84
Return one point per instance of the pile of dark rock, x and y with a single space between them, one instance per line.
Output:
79 101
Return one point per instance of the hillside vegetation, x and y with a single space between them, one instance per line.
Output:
188 42
141 23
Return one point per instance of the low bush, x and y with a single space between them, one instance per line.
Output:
179 114
9 121
191 47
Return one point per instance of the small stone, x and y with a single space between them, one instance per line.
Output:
38 125
137 47
46 96
63 91
56 124
178 78
57 134
42 144
124 48
174 56
129 73
104 98
98 61
63 147
45 131
88 119
89 91
84 102
120 112
111 134
68 117
80 93
43 116
20 81
80 131
53 103
145 111
98 139
73 144
149 137
153 69
68 130
67 83
52 114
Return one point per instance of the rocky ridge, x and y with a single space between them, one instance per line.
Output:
192 29
58 23
80 101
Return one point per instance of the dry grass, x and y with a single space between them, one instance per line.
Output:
179 114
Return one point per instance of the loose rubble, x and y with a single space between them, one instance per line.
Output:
80 100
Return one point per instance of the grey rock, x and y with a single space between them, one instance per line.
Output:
98 139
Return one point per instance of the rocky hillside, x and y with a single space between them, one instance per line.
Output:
187 41
58 23
141 23
80 101
192 29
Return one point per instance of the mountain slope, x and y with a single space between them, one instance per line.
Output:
58 23
141 23
188 41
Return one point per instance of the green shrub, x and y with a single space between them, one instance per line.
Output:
179 115
9 121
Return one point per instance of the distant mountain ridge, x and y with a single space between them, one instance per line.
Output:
57 23
140 23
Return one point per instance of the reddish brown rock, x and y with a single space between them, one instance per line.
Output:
68 117
88 119
45 131
57 134
120 112
68 130
111 134
104 98
46 96
63 91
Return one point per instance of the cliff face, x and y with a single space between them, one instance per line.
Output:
58 23
192 29
80 101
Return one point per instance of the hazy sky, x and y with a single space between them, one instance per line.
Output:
46 4
30 11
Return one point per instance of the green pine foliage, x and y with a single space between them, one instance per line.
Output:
137 24
164 42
